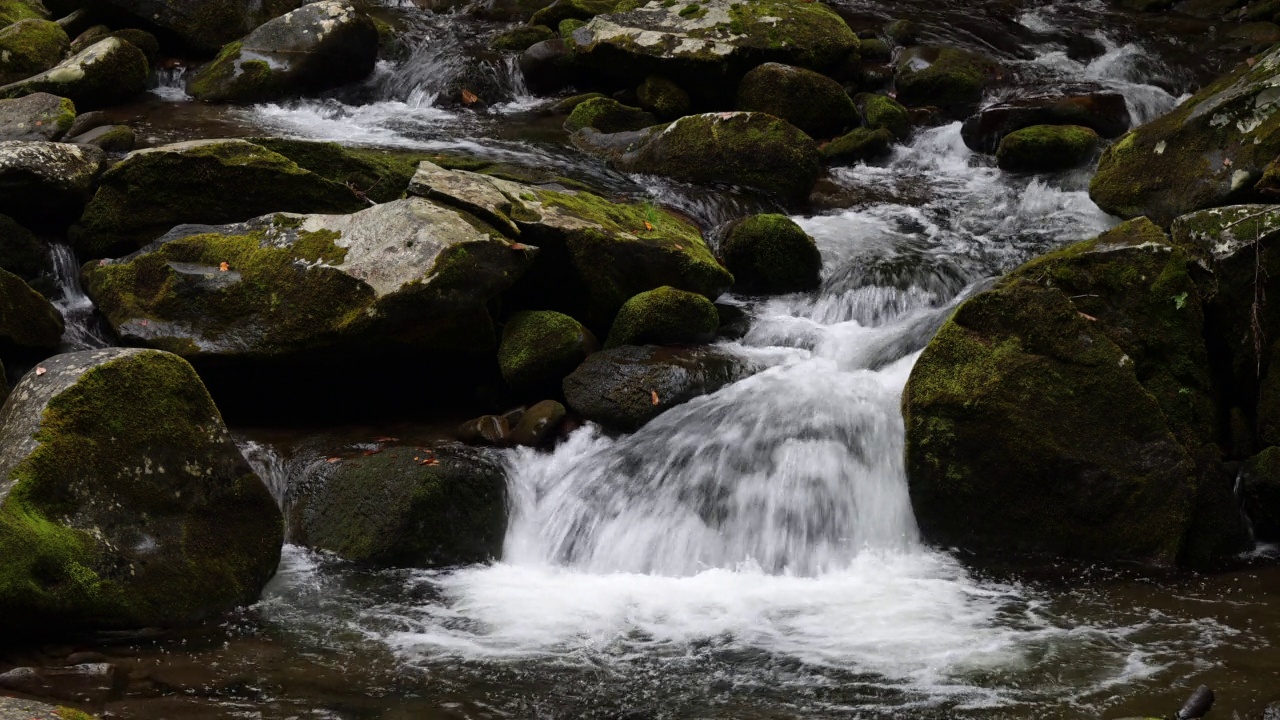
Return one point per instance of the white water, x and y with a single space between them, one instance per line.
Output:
83 330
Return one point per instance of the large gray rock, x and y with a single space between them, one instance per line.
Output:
109 72
30 47
46 184
36 117
316 47
18 709
124 501
27 319
208 24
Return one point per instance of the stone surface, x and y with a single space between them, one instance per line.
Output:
19 709
539 348
1046 148
771 254
208 24
108 72
46 184
30 47
27 319
40 116
664 316
811 101
945 77
1103 112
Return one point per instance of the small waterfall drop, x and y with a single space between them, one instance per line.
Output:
84 330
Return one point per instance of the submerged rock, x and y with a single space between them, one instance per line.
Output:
539 423
812 102
1071 410
39 116
30 47
316 47
405 507
46 184
1046 148
860 145
124 501
664 316
109 72
209 24
110 138
540 348
771 254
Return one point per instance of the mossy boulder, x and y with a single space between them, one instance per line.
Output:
379 175
522 38
27 319
860 145
30 47
739 148
663 97
664 316
141 39
110 138
771 254
21 252
1071 410
608 116
39 116
944 77
12 708
561 10
404 507
1209 151
409 273
710 45
881 112
1046 148
540 348
108 72
124 501
314 48
811 101
1106 113
203 181
207 25
12 11
90 36
46 184
539 423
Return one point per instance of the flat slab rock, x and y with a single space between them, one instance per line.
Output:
19 709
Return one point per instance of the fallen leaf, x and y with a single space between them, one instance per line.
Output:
1250 61
102 262
144 323
224 267
386 439
679 246
40 371
648 225
1087 317
1226 162
518 246
469 98
430 461
367 453
654 394
333 460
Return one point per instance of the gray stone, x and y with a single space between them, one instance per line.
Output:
36 117
46 183
108 72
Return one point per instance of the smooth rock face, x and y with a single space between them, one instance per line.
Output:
1046 148
124 501
109 72
617 388
208 24
811 101
30 47
1071 410
1209 151
406 272
46 184
40 116
316 47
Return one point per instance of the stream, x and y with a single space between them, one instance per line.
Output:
751 554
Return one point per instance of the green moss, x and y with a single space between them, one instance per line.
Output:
67 713
381 175
1045 148
692 10
141 39
664 316
118 73
567 105
521 38
859 145
881 112
806 34
607 115
21 253
230 78
562 10
567 27
946 77
771 254
29 47
812 102
540 348
26 318
12 11
663 98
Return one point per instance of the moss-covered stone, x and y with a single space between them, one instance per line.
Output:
945 77
607 115
108 72
1070 410
521 38
405 507
561 10
141 39
124 501
771 254
29 47
858 145
1106 113
89 36
40 116
205 181
1046 148
881 112
568 26
12 708
21 253
664 316
812 102
567 105
379 175
12 11
110 138
1260 493
27 319
207 25
46 184
663 98
874 50
540 348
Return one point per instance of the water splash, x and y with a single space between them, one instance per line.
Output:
83 329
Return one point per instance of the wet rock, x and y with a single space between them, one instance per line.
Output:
18 709
27 319
405 507
812 102
1271 712
1252 37
608 116
710 47
207 25
739 148
949 78
404 273
1071 411
202 181
538 424
143 40
493 430
881 112
771 254
856 146
581 10
1046 148
88 37
1209 151
40 116
626 387
84 122
108 72
567 105
540 348
664 316
522 38
124 501
903 32
30 47
548 66
1103 112
379 175
314 48
46 184
110 138
21 253
1198 705
663 97
87 683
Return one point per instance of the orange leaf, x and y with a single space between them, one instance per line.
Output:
679 246
518 246
40 371
224 267
386 439
469 98
1087 317
648 225
333 460
654 395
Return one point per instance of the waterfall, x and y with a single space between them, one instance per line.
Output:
84 331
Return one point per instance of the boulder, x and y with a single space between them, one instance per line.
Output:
314 48
110 138
608 116
109 72
46 184
90 36
404 273
521 38
811 101
30 47
379 175
771 254
881 112
712 44
663 97
21 253
40 116
1106 113
548 66
626 387
561 10
94 683
664 316
1071 410
1207 152
27 319
540 348
538 424
735 148
124 501
1260 493
404 507
207 25
12 11
945 77
143 40
203 181
1046 148
12 708
491 430
860 145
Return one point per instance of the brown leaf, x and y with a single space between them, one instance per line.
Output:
1090 318
654 395
518 246
40 371
375 451
333 460
469 98
648 225
224 267
1226 162
386 439
1250 61
430 461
